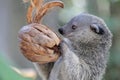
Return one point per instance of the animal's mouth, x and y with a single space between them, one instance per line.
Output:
69 35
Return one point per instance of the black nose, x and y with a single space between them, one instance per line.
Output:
61 31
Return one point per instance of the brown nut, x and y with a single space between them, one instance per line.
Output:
38 43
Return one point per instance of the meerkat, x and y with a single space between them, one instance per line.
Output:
84 50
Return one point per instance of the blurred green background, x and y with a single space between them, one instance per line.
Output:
13 17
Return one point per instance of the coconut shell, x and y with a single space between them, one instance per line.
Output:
38 43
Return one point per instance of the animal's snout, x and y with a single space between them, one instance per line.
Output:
61 31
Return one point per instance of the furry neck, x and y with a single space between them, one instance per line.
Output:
95 56
92 51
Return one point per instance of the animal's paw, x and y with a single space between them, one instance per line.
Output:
64 45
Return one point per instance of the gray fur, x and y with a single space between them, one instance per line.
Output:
84 53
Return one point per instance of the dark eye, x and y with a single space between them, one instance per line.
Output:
74 27
97 29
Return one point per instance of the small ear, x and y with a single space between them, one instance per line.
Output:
97 29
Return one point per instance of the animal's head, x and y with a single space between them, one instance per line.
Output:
87 29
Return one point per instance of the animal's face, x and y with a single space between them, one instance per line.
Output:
86 28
